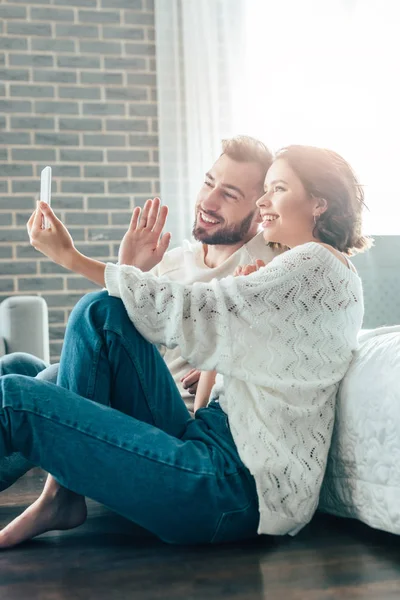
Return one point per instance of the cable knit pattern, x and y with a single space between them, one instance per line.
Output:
283 339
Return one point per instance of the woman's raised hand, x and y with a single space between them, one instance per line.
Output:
142 246
55 242
247 269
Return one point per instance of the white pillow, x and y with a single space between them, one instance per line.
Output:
362 480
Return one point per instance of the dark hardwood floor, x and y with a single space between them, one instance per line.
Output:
110 559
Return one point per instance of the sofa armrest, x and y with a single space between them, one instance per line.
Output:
24 325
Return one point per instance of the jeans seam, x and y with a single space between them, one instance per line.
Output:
227 514
127 346
95 365
116 444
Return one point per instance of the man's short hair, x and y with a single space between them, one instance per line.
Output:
244 148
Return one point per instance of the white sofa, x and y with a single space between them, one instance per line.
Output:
24 326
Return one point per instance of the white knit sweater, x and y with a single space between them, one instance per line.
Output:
186 264
282 338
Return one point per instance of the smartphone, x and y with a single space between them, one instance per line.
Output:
45 190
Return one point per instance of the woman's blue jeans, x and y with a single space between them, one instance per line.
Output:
115 429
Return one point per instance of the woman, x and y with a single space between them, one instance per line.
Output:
282 338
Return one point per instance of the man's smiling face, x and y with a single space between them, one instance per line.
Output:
226 211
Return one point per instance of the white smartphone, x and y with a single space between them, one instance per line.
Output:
45 190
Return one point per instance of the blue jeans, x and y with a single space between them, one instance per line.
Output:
115 429
14 466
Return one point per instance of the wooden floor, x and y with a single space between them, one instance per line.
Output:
109 559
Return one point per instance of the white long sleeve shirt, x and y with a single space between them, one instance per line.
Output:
282 338
186 264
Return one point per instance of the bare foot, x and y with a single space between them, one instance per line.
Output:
56 508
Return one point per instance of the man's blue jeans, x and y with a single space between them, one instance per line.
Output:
115 429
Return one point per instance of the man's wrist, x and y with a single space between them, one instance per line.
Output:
85 266
72 260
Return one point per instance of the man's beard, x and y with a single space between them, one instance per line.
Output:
226 236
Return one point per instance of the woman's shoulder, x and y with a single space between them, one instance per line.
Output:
321 252
300 257
337 254
316 262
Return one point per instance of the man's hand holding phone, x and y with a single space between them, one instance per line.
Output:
143 243
45 191
55 241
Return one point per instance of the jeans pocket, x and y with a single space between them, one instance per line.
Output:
237 525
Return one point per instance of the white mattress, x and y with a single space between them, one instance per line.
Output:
362 480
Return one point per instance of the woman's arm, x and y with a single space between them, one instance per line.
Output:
210 322
207 378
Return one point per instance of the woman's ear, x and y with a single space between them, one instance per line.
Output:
321 206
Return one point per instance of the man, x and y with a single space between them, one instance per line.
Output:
225 230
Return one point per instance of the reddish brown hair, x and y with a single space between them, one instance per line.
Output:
325 174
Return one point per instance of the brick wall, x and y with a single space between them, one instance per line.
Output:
77 92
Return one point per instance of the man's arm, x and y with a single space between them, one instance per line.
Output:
142 245
87 267
198 318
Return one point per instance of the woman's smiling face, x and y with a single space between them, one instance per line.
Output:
287 209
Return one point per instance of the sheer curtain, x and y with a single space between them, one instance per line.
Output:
321 72
199 56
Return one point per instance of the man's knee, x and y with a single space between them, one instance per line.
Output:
21 363
50 374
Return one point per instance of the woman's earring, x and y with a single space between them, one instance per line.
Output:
315 219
